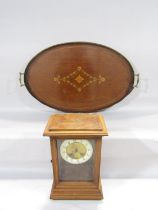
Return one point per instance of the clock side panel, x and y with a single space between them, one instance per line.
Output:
76 172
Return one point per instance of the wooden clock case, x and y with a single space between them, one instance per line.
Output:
78 77
76 126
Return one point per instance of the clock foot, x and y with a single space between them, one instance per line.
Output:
76 191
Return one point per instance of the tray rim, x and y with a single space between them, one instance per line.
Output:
73 110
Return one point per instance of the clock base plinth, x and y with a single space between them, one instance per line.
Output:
83 191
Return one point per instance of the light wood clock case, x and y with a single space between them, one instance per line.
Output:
76 154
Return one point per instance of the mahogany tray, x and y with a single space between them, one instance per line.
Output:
79 77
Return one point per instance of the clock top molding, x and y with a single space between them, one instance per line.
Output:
62 125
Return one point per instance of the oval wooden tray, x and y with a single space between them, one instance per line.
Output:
79 77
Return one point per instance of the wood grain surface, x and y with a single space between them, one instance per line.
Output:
79 77
74 124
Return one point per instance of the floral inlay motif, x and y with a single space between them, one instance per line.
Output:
79 79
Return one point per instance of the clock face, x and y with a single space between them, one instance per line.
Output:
76 151
76 159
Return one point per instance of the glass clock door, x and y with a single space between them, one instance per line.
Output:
76 159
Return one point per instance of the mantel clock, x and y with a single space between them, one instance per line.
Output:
75 141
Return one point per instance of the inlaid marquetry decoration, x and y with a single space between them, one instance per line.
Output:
79 79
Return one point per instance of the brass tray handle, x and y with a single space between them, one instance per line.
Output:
21 79
136 80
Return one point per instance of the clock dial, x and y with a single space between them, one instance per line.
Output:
76 151
76 159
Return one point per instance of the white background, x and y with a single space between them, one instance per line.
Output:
130 27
